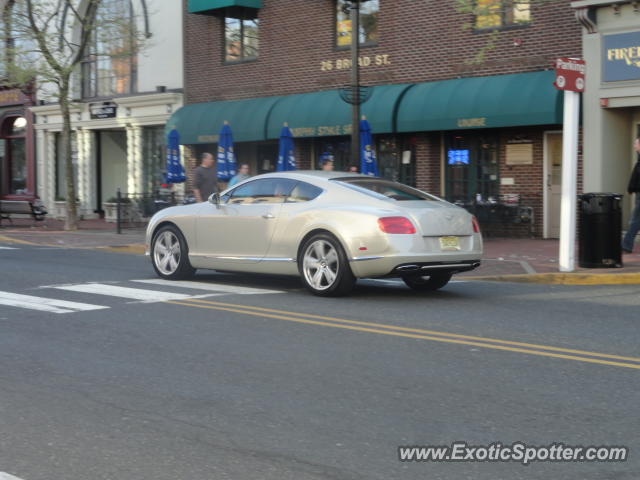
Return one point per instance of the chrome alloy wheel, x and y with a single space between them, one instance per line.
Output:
166 253
320 265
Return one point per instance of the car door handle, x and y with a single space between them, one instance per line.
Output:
268 216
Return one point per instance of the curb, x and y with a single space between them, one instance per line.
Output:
135 248
565 278
6 239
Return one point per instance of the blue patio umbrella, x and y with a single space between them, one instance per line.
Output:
175 171
286 159
368 164
226 160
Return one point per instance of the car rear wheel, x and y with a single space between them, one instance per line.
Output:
170 254
427 284
324 266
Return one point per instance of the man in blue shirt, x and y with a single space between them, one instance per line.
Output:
243 174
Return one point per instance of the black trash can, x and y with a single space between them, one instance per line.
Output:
600 227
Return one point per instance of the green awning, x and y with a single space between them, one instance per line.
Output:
201 122
481 102
321 114
205 6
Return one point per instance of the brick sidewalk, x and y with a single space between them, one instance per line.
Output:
515 256
502 256
90 233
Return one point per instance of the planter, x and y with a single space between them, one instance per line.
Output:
60 210
111 212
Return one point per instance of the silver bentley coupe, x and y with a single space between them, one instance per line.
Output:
330 228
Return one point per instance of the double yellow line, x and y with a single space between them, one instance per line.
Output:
384 329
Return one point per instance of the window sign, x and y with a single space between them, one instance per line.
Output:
621 57
458 157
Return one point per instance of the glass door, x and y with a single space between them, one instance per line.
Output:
472 168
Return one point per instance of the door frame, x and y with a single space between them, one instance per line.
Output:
545 175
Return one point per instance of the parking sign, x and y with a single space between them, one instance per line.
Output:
570 74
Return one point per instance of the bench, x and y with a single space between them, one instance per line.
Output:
33 207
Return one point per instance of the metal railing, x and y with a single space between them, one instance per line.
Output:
133 210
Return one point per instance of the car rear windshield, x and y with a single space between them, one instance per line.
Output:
382 188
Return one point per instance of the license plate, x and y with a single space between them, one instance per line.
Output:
449 243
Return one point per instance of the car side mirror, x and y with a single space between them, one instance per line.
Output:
214 199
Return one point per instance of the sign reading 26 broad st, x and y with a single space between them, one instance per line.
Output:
621 57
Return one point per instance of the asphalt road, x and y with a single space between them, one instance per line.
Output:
249 377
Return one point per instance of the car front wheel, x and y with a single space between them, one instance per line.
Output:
170 254
324 266
427 284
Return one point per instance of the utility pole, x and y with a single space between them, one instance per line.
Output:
355 82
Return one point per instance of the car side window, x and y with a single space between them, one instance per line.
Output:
266 190
303 192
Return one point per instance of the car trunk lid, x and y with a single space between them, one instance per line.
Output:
436 218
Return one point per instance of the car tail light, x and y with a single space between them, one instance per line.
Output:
476 225
396 225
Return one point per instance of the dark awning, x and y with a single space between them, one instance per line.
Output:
206 6
201 122
321 114
481 102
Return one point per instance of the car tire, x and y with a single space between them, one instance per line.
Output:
324 266
427 284
170 254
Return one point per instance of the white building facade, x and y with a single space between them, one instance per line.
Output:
121 105
611 117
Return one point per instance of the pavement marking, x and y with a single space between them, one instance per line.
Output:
214 287
566 278
123 292
490 343
43 304
6 239
8 248
136 248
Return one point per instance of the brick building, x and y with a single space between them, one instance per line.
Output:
469 132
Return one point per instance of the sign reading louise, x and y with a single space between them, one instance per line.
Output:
621 57
570 74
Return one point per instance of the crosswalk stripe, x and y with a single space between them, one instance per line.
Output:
43 304
213 287
123 292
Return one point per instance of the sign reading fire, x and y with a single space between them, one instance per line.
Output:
621 57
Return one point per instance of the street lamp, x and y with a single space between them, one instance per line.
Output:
354 95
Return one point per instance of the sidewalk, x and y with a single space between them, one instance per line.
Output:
536 261
91 234
505 259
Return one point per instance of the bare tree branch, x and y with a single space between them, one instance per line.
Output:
39 37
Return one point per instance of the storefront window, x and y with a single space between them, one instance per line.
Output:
396 159
241 39
472 168
110 67
336 149
493 14
13 154
368 23
18 155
